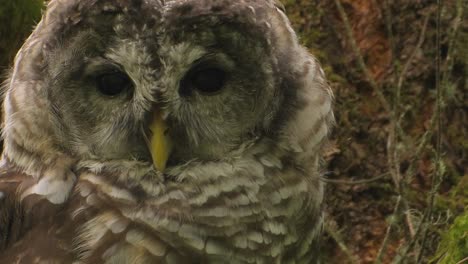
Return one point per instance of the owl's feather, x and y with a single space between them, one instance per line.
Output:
242 183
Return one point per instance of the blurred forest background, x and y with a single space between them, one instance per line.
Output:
397 183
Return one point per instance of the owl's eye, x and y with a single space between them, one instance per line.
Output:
208 80
113 83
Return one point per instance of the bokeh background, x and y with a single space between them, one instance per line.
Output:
396 165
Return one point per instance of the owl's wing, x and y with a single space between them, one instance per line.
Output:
87 227
32 229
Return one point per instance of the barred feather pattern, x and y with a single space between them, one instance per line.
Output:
213 212
260 203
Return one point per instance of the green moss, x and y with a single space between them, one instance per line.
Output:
454 245
457 200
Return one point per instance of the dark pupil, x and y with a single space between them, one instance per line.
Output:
209 80
112 84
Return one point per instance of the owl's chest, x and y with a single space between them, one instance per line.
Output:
236 223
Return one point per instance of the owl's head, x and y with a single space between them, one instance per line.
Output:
151 80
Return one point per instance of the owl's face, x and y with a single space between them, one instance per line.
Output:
163 81
211 72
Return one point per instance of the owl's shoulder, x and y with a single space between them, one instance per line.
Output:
12 214
31 227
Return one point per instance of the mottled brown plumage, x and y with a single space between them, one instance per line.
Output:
242 109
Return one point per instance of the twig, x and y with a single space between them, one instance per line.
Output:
403 253
387 12
388 23
337 237
409 223
393 157
354 182
407 65
393 221
395 162
436 177
393 152
360 59
463 260
428 134
452 36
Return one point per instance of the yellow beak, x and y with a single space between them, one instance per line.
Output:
160 144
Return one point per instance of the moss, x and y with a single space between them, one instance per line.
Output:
454 245
457 200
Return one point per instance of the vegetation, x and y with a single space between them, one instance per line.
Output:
397 161
17 18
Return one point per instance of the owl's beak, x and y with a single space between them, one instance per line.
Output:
160 144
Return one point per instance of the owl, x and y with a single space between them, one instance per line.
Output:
163 131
